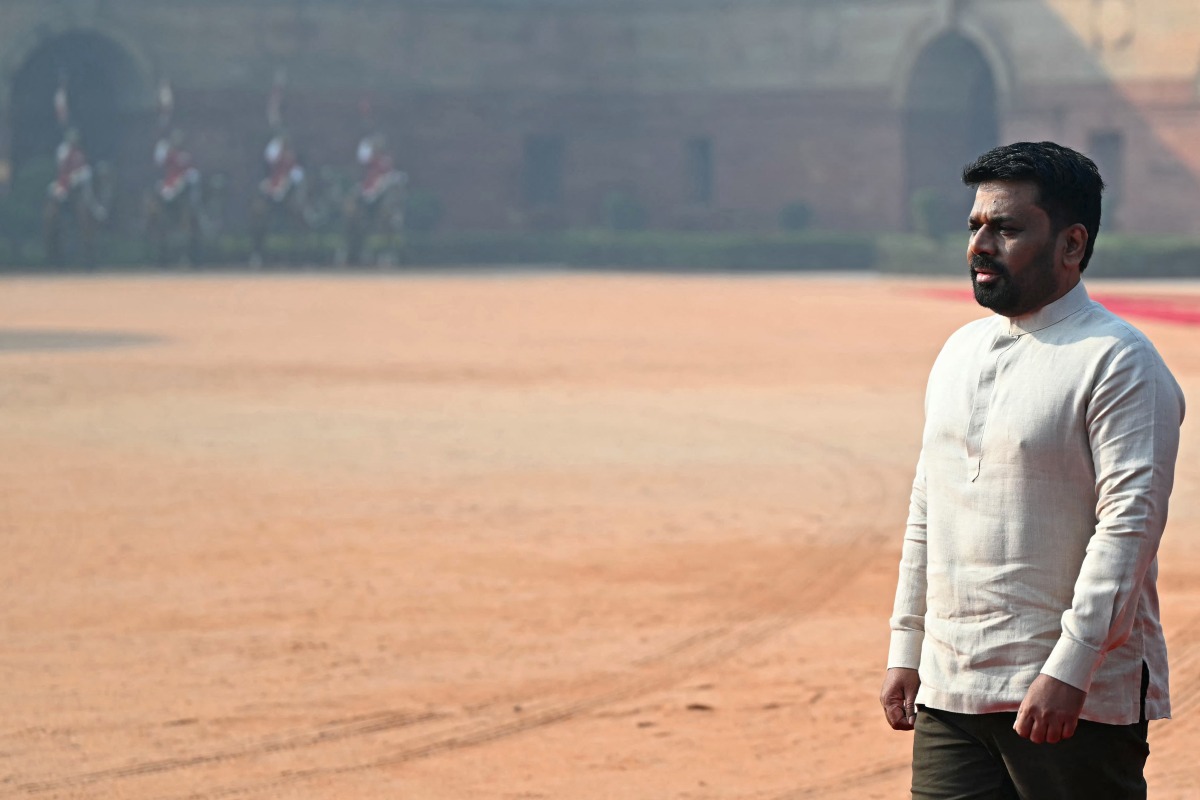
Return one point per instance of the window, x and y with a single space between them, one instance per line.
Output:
1107 149
542 175
699 170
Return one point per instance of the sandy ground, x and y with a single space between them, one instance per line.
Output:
478 536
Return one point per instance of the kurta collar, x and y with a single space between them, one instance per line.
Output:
1051 314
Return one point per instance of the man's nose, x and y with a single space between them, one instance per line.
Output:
982 241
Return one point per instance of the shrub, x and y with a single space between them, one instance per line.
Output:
624 212
21 209
932 215
910 254
795 216
422 211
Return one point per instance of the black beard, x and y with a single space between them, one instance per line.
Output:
999 295
1013 297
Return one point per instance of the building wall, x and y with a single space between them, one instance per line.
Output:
801 100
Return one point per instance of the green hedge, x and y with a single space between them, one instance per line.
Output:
899 254
1116 256
649 250
593 249
1126 256
909 254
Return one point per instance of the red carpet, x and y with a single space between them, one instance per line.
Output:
1183 310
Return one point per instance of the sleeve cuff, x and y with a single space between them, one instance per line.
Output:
1073 663
905 649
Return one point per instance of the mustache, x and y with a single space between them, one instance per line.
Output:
982 261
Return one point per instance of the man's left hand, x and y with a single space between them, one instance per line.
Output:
1050 711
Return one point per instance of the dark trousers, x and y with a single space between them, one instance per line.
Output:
981 757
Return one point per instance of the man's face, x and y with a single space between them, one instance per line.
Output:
1012 250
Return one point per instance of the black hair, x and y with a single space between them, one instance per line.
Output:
1068 182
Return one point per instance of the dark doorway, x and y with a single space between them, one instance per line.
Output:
950 119
111 105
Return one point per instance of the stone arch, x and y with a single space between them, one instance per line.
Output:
951 112
106 87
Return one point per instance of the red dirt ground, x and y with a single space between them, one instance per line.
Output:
479 536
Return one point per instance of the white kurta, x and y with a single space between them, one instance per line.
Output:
1040 498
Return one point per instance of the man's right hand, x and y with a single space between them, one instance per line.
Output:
899 697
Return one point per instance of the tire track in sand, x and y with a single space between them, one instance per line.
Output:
856 483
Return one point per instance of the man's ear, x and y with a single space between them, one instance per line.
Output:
1074 239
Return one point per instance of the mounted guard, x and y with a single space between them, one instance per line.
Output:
377 203
174 209
72 194
282 192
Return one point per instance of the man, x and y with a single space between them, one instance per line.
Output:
379 173
284 170
179 174
1026 647
74 172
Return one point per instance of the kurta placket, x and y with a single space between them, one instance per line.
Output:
977 423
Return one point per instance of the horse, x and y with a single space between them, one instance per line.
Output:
181 218
376 209
85 203
284 204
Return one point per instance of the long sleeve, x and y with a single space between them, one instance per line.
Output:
908 615
1133 430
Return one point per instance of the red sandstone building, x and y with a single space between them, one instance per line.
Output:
711 114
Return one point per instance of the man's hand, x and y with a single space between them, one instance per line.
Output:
899 697
1050 711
